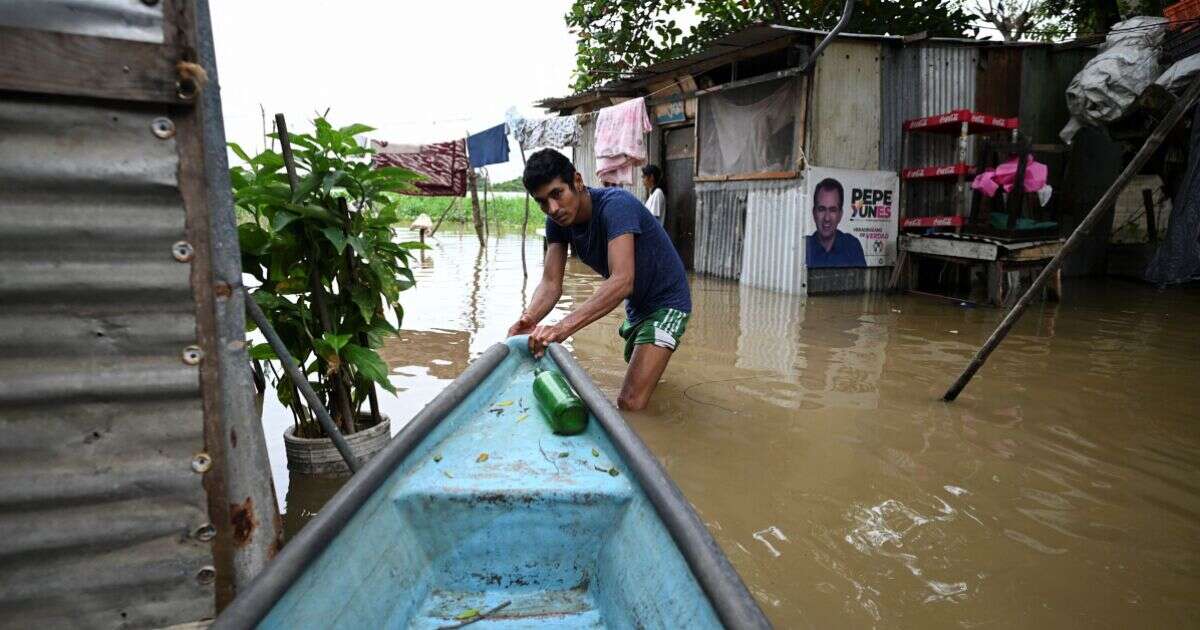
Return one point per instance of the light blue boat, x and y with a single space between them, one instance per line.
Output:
476 514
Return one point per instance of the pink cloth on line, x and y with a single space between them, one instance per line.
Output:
621 140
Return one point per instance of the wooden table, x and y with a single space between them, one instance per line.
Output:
1007 262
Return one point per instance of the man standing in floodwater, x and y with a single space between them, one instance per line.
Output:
616 236
828 246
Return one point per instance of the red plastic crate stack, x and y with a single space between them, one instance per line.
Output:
1184 16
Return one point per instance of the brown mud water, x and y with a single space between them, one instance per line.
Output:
1062 489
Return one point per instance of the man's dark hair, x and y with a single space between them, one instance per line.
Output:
830 183
653 171
544 167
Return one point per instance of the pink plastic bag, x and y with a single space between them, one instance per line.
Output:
1035 175
985 183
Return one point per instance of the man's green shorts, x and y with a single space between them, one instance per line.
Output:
662 328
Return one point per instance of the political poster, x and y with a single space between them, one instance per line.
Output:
851 217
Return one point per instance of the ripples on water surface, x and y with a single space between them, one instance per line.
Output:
1060 490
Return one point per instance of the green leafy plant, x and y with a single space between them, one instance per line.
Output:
328 264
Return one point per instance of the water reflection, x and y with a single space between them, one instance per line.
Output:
1060 490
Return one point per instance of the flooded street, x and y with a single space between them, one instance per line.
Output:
1062 489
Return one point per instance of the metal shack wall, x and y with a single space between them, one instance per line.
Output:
844 113
773 256
934 78
720 228
113 463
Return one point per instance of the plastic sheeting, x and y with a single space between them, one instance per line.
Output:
1179 75
749 129
1110 83
1178 258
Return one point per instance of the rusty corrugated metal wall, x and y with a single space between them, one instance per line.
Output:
584 154
123 373
720 229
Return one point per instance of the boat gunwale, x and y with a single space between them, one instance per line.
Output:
730 599
253 604
721 583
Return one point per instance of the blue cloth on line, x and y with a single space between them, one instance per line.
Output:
488 147
659 279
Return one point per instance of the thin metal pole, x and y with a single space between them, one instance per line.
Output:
1110 196
301 383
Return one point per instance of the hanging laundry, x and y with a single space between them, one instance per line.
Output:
621 141
443 164
488 147
557 132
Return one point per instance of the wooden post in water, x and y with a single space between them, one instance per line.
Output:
524 222
1110 196
475 208
445 212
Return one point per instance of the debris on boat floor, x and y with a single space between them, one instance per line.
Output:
483 457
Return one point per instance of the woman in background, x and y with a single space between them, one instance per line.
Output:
656 202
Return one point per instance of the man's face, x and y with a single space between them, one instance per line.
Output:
827 212
559 200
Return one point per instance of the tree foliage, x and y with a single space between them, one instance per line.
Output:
335 231
617 36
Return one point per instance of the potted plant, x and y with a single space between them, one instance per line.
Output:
317 227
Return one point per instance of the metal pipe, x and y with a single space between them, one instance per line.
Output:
301 382
256 601
842 22
721 583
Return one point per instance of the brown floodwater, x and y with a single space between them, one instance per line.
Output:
1062 489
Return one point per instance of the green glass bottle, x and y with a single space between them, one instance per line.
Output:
565 412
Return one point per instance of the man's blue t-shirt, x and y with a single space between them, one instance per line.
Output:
846 251
659 279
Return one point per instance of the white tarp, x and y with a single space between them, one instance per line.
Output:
1110 83
867 215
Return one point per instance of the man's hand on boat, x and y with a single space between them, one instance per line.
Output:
524 325
543 336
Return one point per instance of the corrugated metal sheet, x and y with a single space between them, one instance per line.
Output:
115 19
584 154
998 81
944 76
720 228
773 255
897 102
848 280
102 416
844 118
1045 75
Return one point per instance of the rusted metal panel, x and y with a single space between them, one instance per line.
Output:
123 379
848 280
845 106
132 20
773 255
998 81
720 228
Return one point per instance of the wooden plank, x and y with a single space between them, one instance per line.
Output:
1040 252
747 176
42 62
952 248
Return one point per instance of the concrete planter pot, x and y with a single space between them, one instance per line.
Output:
307 456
